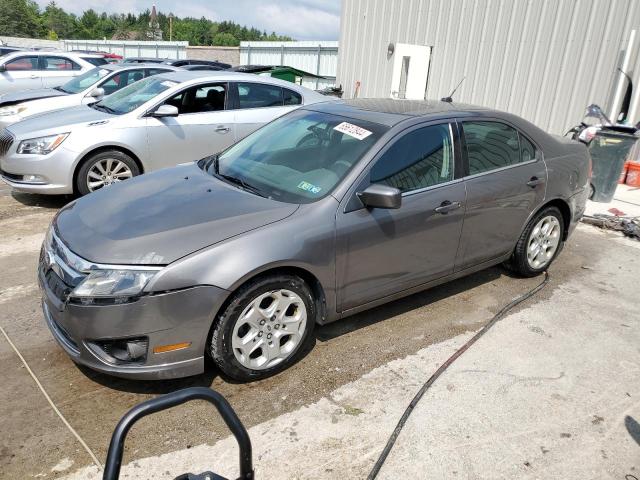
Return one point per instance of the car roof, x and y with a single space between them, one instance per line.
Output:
389 111
120 66
182 75
37 53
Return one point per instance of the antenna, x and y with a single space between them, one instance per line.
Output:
449 99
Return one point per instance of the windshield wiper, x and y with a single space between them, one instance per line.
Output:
235 180
60 89
104 109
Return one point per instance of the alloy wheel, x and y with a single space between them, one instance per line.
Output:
107 171
543 242
269 329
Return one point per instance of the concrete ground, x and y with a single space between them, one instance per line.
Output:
551 392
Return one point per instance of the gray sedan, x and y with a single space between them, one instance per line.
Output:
328 211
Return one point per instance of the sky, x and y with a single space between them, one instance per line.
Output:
300 19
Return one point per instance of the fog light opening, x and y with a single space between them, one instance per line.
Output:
126 350
37 179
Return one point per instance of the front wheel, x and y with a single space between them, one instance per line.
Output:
263 328
539 243
103 169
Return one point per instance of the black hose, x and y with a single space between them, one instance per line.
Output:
394 436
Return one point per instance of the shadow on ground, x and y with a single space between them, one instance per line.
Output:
322 334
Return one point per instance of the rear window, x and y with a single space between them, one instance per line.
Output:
95 61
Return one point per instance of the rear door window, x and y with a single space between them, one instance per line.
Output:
490 145
259 95
422 158
58 64
22 64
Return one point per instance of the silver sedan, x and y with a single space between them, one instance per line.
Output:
154 123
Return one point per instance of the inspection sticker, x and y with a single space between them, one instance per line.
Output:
308 187
352 130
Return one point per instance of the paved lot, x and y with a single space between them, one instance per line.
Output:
334 408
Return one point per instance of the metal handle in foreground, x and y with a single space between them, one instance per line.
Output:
164 402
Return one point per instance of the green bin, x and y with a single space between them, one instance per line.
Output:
609 150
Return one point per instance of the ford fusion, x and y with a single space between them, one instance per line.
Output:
327 211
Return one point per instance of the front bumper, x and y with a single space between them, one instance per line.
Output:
56 170
164 319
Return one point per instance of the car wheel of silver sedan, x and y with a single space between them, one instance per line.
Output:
103 169
264 327
539 244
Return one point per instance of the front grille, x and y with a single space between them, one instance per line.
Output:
57 286
6 140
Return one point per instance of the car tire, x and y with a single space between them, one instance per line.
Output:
543 234
114 164
253 338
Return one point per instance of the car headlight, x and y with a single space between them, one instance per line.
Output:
42 145
12 110
112 284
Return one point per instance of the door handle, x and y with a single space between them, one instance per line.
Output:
222 129
535 181
447 206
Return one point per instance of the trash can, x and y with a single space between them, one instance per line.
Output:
609 150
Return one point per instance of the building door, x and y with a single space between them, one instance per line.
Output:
410 71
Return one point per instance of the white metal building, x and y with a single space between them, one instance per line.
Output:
545 60
319 58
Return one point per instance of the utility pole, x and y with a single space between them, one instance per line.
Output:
170 27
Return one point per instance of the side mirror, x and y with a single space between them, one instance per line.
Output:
380 196
96 93
165 111
3 68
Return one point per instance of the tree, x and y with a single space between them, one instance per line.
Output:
19 18
225 39
23 18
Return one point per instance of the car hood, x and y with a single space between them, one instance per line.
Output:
160 217
57 121
12 98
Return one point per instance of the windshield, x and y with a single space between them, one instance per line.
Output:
84 81
298 158
132 96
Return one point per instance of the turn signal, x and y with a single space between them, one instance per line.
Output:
171 348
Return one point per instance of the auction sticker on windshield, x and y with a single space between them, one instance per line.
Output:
169 83
309 187
352 130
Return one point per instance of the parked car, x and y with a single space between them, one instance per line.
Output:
108 57
178 63
144 60
154 123
88 88
328 211
30 70
4 50
198 68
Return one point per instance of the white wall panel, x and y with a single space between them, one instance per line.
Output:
545 60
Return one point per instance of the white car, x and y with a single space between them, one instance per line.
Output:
29 70
85 89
